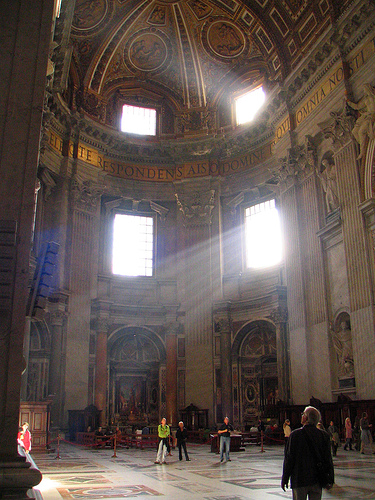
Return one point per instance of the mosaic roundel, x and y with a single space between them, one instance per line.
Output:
224 39
147 51
89 13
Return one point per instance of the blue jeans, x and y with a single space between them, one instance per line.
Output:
224 443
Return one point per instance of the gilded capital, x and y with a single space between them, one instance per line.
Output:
280 315
172 328
101 325
86 197
57 317
222 325
338 128
196 207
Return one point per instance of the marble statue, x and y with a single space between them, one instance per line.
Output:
364 126
328 179
342 341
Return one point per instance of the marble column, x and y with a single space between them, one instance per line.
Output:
25 37
101 370
171 382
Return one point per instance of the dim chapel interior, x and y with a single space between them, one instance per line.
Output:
135 273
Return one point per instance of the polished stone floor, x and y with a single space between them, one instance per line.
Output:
94 474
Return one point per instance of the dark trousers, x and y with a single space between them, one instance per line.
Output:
334 447
348 444
182 444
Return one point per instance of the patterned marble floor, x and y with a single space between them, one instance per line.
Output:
94 474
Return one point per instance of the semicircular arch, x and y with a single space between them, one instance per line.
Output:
128 333
252 327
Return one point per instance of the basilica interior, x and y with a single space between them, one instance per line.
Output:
103 327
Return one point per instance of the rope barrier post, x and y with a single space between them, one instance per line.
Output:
261 441
58 448
114 447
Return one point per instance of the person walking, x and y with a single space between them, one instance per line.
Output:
181 436
306 446
163 434
224 433
366 437
348 434
334 437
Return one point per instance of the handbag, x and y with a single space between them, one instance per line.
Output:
325 478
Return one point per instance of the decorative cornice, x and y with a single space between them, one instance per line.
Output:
162 211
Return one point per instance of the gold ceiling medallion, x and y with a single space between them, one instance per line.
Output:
200 9
223 39
88 14
158 16
148 50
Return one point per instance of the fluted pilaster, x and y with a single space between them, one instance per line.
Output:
171 382
101 369
356 252
280 318
58 318
223 326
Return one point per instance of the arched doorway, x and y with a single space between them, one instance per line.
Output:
255 359
136 366
38 362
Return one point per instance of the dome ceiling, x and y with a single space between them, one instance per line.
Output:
187 58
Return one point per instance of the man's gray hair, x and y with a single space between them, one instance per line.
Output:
312 414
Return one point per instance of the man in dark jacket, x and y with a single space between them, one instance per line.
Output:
300 461
181 436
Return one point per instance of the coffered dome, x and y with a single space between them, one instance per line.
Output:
186 58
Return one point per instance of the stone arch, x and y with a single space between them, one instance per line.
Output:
133 331
136 357
254 356
38 362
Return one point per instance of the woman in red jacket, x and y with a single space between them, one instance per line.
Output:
24 438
